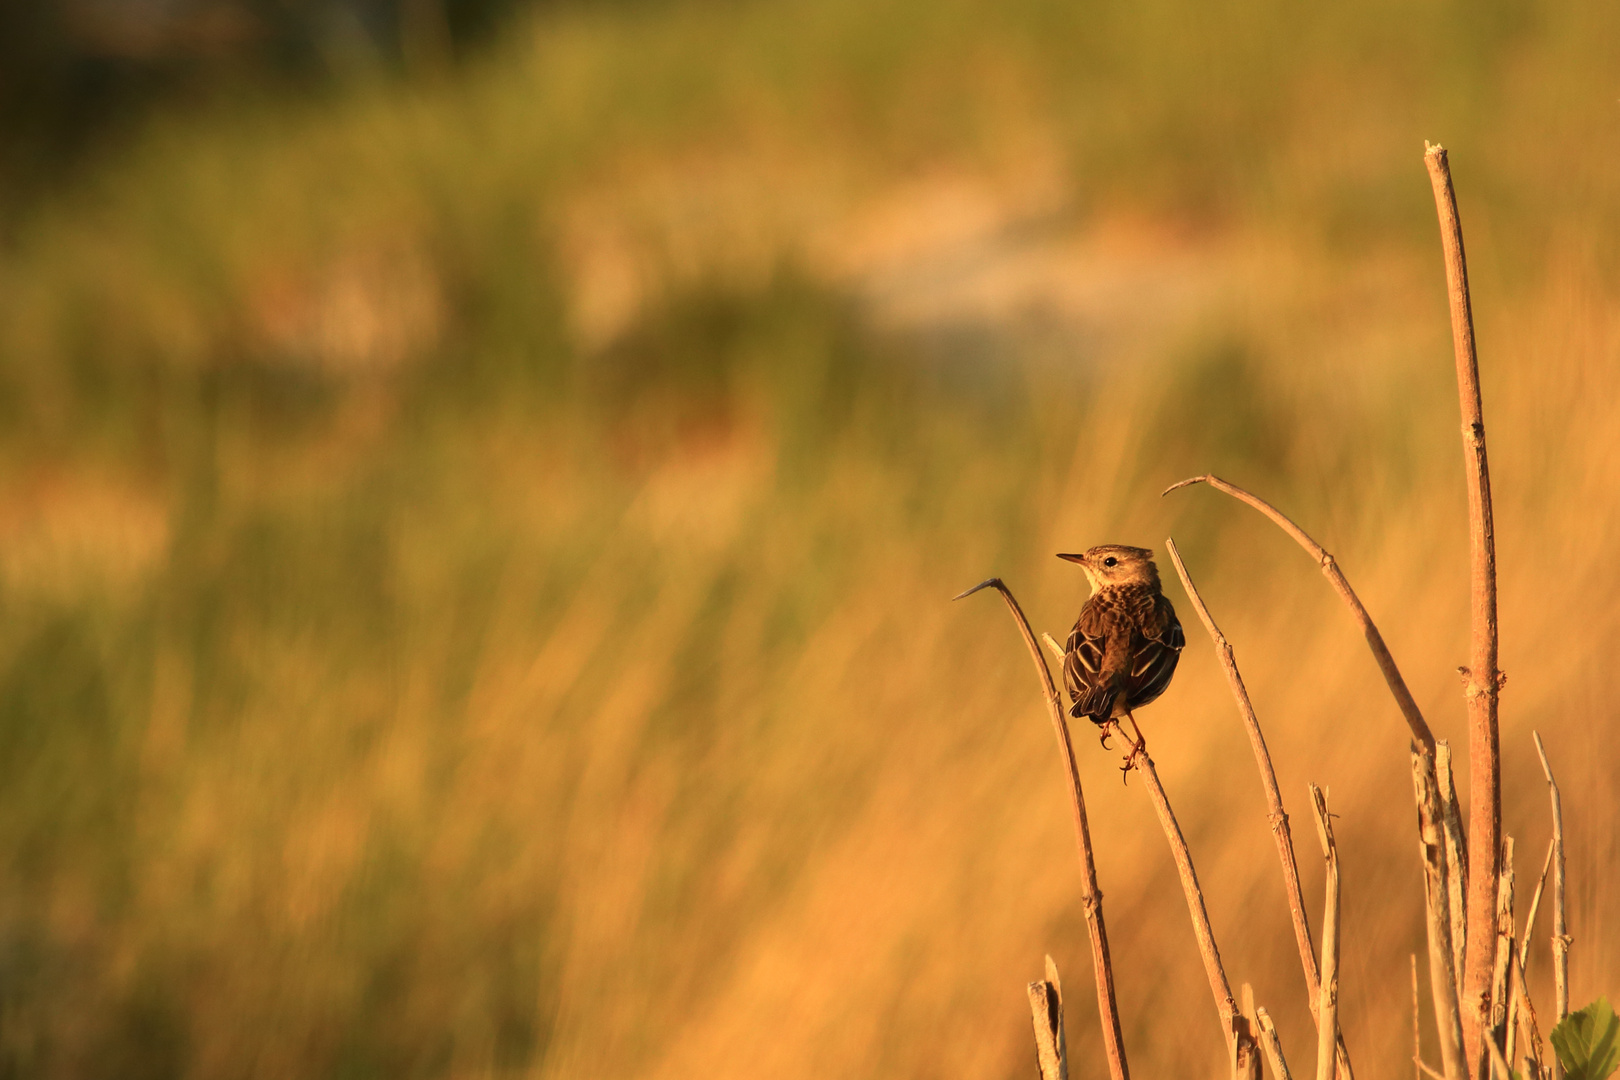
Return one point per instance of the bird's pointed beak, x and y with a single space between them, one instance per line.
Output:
1081 559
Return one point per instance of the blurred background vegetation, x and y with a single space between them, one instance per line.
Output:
480 482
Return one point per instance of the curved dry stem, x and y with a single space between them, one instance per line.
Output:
1330 569
1090 893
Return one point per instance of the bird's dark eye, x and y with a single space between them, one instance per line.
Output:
1110 561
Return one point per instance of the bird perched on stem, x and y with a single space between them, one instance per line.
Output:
1125 644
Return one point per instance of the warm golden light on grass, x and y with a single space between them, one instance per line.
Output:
476 557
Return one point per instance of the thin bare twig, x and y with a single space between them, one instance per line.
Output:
1560 934
1330 568
1426 1069
1219 988
1442 975
1499 1065
1046 1009
1272 1045
1525 1012
1052 646
1327 1026
1535 906
1521 971
1090 892
1484 681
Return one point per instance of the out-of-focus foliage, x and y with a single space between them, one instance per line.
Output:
474 544
77 74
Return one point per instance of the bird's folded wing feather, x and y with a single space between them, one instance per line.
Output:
1156 651
1097 664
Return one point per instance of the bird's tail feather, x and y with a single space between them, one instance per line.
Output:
1097 704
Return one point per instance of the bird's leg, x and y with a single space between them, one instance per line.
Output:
1138 745
1107 729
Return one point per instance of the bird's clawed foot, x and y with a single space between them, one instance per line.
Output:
1107 731
1138 750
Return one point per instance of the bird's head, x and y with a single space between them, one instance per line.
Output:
1117 564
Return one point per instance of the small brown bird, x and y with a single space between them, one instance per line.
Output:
1125 644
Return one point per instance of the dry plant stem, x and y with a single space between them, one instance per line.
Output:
1499 1066
1526 1012
1484 681
1519 997
1505 930
1535 907
1330 569
1417 1027
1424 1068
1560 938
1327 1024
1090 892
1515 989
1456 858
1046 1009
1246 1048
1442 975
1276 815
1272 1045
1219 988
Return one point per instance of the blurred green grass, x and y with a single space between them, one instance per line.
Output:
473 551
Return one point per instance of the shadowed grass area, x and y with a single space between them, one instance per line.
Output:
474 554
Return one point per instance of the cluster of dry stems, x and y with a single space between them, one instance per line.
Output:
1477 965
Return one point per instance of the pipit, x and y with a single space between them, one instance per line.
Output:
1125 644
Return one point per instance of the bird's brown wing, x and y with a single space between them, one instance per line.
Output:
1092 689
1156 650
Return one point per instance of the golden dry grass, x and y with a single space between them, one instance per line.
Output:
476 558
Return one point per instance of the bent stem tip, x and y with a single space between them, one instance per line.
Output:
1191 480
987 583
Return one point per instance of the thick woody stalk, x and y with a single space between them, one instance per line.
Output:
1276 815
1327 1024
1090 892
1483 679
